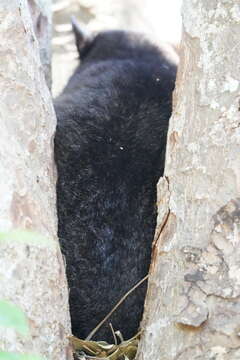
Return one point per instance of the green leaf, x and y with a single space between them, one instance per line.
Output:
16 356
12 316
26 237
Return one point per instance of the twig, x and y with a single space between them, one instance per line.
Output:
113 333
115 308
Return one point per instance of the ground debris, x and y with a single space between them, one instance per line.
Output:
126 350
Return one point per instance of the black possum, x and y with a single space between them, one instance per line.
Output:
112 122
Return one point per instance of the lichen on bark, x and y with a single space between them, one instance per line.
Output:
32 274
192 309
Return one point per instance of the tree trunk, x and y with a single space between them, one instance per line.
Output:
193 302
31 270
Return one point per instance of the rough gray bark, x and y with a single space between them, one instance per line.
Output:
42 27
193 302
31 271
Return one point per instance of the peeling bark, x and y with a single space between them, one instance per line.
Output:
193 303
32 273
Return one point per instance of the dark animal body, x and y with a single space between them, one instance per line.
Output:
112 121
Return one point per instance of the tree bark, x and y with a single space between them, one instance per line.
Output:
42 26
32 273
193 301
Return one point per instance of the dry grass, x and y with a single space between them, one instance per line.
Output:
125 350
